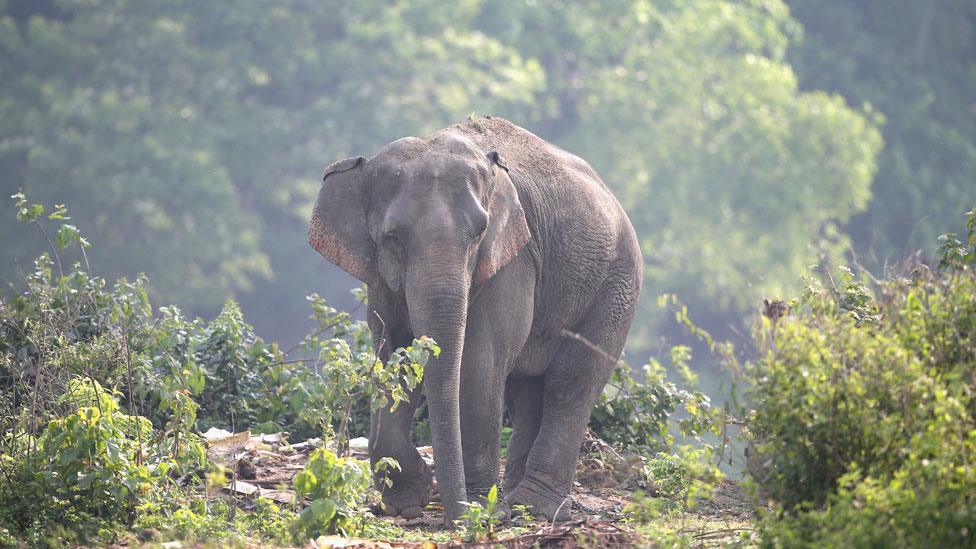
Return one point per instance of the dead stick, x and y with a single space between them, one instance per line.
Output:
594 347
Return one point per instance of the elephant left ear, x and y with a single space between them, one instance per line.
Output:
507 231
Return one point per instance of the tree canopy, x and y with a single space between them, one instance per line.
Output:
914 62
188 137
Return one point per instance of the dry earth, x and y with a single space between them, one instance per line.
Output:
265 466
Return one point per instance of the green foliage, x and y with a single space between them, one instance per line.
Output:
926 502
75 353
189 140
478 521
677 480
636 414
241 372
83 477
640 415
913 62
338 488
644 419
182 515
184 373
956 254
351 382
865 430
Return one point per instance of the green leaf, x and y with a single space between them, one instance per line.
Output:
305 482
324 510
67 235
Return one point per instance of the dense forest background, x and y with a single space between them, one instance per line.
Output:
747 139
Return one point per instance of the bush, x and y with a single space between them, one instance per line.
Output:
926 502
338 489
349 381
635 414
243 375
643 419
639 415
101 397
84 475
865 415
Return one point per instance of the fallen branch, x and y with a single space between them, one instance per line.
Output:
593 346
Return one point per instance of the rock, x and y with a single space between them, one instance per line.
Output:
359 445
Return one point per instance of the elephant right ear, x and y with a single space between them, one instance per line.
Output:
338 228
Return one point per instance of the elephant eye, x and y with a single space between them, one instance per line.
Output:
392 240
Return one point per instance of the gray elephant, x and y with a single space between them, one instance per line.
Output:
517 260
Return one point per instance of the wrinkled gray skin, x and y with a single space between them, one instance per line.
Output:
496 244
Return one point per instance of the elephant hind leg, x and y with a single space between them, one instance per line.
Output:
523 397
550 466
572 384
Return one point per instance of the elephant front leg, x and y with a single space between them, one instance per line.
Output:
499 320
409 489
482 403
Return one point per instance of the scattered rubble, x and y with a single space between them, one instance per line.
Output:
264 465
261 465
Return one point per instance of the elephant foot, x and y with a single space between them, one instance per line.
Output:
408 496
411 512
405 504
554 509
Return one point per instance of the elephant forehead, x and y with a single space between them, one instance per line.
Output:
440 166
436 164
423 173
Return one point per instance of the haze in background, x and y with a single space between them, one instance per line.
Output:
747 140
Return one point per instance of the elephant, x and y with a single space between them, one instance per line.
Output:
514 256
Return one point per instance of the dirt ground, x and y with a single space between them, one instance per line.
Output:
265 466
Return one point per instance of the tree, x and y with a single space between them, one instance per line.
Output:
915 62
735 179
188 137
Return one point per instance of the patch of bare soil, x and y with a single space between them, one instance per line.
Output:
265 466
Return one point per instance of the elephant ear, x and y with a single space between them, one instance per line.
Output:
338 227
507 231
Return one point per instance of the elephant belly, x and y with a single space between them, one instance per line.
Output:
534 358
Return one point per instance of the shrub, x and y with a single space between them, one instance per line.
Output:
645 418
86 473
347 381
635 414
926 502
101 397
639 415
338 489
242 373
865 415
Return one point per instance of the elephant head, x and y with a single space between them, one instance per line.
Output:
432 220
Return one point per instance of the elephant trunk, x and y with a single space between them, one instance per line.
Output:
437 306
